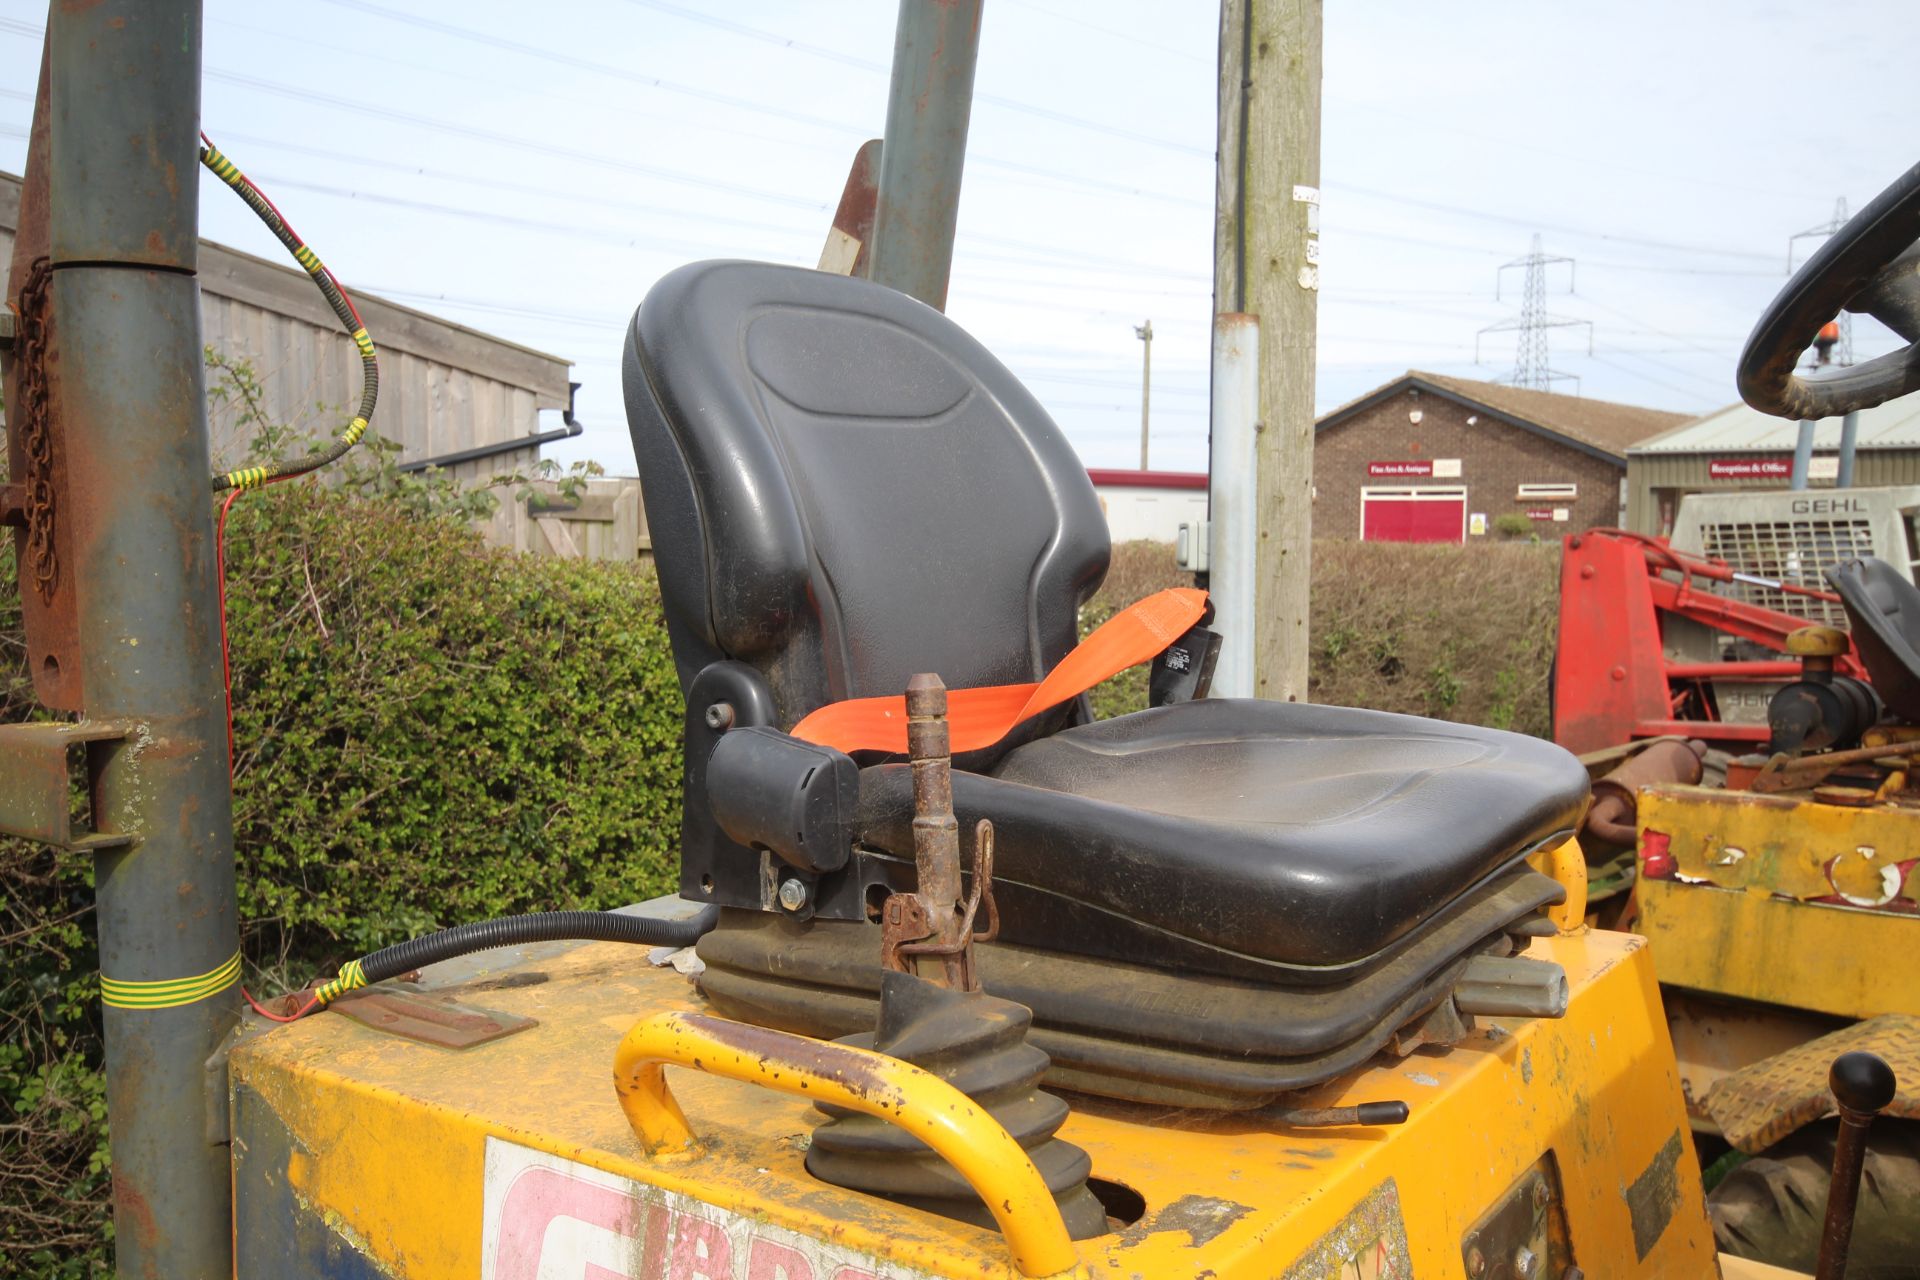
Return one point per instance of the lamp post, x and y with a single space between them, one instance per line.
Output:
1145 333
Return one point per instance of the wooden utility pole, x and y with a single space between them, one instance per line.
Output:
1267 262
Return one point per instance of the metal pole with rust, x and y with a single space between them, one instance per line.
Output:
936 832
126 391
929 105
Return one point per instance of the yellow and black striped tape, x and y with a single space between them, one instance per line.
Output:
247 478
350 978
171 993
217 161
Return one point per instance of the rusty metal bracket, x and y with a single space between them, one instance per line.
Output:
37 504
902 920
1786 773
429 1019
37 782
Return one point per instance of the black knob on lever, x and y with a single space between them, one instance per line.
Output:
1863 1085
1367 1113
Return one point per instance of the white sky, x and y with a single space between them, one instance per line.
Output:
531 170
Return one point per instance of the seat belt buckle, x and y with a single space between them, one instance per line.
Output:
1184 670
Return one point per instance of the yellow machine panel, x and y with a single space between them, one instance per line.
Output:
359 1153
1780 899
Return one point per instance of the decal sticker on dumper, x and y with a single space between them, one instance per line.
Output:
548 1218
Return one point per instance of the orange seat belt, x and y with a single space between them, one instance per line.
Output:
979 718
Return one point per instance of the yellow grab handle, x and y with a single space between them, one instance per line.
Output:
900 1093
1567 864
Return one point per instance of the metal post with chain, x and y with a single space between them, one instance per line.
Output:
30 343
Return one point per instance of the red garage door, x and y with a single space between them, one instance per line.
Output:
1410 514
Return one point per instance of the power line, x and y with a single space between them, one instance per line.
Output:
1117 34
1583 232
1040 173
849 60
1426 121
574 197
1026 252
1049 177
1724 388
603 236
1647 377
536 146
1592 301
413 68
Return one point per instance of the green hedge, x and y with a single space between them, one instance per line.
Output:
429 732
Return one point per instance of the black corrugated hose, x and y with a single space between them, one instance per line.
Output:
509 931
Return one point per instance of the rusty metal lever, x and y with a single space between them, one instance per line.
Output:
1785 773
930 931
1863 1085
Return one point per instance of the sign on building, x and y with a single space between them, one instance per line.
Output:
1749 468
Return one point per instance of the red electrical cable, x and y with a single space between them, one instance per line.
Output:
226 659
271 1016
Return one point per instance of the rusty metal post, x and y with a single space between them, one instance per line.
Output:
928 106
126 392
1863 1085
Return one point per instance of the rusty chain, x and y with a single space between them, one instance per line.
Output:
35 440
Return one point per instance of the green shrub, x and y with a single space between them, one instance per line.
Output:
1511 524
431 731
428 732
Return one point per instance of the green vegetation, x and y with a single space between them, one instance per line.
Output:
427 732
1460 633
1511 525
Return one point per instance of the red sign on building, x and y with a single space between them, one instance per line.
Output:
1750 468
1416 468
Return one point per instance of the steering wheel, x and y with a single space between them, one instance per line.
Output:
1871 266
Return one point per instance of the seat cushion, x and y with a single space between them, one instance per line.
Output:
1297 836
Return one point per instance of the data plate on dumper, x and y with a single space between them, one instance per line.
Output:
1524 1237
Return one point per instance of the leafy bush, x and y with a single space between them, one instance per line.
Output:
1511 524
428 732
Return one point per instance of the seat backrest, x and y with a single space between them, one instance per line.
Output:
844 489
1883 610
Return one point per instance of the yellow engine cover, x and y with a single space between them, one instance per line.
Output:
359 1153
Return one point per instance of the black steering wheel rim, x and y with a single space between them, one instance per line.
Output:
1868 263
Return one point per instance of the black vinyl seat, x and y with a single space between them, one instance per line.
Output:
1301 836
844 489
1883 607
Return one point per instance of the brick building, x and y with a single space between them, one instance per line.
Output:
1427 458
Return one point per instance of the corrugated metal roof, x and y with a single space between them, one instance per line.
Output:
1741 429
